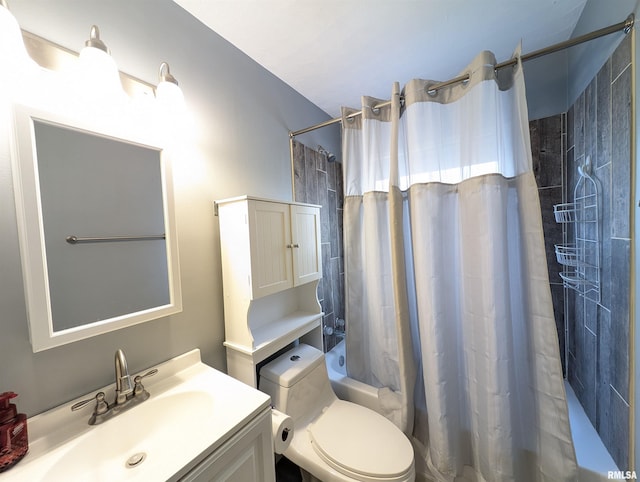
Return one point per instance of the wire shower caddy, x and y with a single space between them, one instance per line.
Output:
581 259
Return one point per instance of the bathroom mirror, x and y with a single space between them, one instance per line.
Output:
96 224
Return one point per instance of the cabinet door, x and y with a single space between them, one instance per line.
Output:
247 457
307 255
270 233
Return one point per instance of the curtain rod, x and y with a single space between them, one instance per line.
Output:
625 26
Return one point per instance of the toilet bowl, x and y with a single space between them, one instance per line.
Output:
333 440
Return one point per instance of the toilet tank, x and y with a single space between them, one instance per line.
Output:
298 383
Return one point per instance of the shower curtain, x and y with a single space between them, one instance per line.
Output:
448 302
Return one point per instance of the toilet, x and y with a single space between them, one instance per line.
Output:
333 440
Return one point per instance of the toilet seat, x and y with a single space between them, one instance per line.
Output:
360 443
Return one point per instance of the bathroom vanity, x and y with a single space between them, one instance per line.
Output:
198 424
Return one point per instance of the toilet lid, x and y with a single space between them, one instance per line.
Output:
353 439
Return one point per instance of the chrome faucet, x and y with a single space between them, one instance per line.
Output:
128 394
123 381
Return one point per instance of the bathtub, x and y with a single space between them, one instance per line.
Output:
594 461
347 388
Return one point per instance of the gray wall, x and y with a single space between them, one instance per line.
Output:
555 81
585 60
243 116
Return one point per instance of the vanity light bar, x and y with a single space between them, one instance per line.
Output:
73 239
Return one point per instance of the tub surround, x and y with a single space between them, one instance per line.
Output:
599 125
594 338
320 182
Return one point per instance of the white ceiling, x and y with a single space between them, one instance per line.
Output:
334 51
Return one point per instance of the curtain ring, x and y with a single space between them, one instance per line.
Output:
430 91
375 110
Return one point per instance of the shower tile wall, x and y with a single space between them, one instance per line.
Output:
320 182
548 151
598 125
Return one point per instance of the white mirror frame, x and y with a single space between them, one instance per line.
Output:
31 228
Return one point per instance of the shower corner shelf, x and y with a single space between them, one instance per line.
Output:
565 213
581 259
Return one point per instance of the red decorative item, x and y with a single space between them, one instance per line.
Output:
14 440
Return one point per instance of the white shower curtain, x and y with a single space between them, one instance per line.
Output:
448 302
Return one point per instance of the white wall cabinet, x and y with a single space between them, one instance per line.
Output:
247 456
284 242
271 265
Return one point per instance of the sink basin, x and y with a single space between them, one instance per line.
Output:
192 410
150 438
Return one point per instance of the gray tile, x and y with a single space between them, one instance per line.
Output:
570 124
620 322
339 185
571 370
327 276
340 220
578 127
619 448
340 311
603 148
570 301
578 336
557 298
604 177
311 179
588 378
323 200
621 57
336 291
574 380
552 230
534 136
621 155
321 162
591 317
332 174
315 176
568 191
333 223
603 376
299 172
546 146
590 120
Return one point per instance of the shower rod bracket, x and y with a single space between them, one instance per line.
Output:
629 22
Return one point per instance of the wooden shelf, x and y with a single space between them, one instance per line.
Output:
277 334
